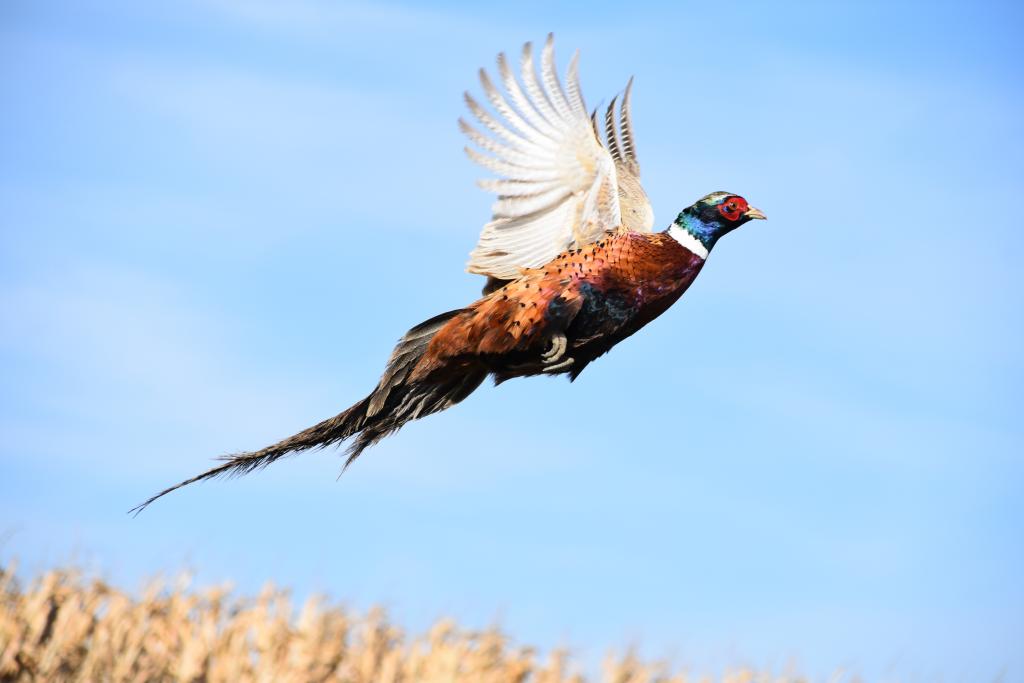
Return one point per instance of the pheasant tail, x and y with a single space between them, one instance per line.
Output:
397 399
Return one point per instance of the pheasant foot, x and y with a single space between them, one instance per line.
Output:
556 349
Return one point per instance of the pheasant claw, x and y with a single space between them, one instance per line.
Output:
558 367
555 351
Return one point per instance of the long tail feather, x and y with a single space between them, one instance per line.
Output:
320 435
393 403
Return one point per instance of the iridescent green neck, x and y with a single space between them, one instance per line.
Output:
706 233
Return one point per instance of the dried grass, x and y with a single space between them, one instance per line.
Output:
67 627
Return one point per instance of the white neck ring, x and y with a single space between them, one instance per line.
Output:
683 236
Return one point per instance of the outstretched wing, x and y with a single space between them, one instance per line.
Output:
557 186
635 207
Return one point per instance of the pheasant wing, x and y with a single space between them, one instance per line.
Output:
557 184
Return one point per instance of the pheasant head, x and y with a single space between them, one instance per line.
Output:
711 217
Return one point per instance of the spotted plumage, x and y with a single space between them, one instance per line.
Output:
572 265
594 295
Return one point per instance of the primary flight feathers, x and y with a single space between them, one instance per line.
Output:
560 185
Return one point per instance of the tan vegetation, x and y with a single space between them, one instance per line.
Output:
66 627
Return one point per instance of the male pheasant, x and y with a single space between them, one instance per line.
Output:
572 266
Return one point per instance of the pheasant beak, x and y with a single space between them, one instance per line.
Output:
752 212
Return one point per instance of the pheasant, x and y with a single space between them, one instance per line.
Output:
571 263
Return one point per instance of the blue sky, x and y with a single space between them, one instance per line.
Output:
216 219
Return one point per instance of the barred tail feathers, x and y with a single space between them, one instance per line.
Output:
319 435
393 403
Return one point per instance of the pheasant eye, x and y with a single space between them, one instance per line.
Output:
731 209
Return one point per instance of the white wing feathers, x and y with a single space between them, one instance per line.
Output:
557 185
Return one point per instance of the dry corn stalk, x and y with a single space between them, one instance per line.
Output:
65 627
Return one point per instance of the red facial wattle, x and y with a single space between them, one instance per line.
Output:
733 208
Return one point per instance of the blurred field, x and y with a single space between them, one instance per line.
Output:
67 627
